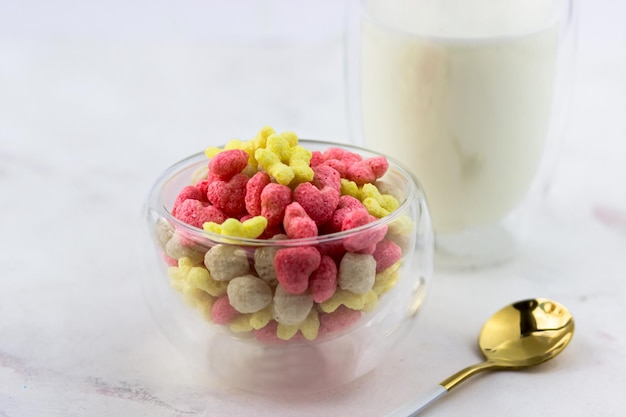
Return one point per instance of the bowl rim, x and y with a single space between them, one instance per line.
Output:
155 202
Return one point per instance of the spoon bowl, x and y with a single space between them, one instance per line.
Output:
523 334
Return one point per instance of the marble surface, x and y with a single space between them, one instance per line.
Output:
97 98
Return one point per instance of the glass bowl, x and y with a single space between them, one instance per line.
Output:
340 339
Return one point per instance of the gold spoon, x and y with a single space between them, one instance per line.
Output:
520 335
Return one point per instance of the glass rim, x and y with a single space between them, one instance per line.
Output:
155 203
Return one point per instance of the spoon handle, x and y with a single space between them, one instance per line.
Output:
415 407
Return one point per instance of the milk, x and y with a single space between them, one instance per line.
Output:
463 97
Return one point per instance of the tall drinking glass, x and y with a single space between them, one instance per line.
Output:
470 95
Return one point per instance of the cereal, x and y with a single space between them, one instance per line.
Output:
340 319
271 187
319 204
297 222
174 248
254 188
190 192
222 312
196 213
371 196
274 199
249 294
249 229
357 273
163 231
229 196
291 309
386 279
225 165
323 281
264 261
309 327
386 254
200 278
326 176
348 299
226 262
367 171
294 266
364 242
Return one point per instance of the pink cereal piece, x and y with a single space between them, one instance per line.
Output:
343 155
254 188
189 192
355 218
346 204
317 158
318 204
227 164
361 173
326 176
333 249
222 312
294 266
203 185
338 320
245 217
274 199
297 222
196 213
365 241
323 281
337 165
272 231
378 165
268 333
169 260
229 196
386 254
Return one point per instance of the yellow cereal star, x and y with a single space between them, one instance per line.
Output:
241 323
350 188
309 327
402 225
180 280
380 203
260 140
260 319
199 277
348 299
387 279
250 229
271 163
299 161
284 159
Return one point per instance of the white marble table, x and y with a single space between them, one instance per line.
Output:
95 99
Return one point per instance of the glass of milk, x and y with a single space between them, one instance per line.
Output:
470 96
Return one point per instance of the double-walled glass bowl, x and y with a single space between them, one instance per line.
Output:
337 344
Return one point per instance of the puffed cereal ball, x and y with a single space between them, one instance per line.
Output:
291 309
357 273
226 262
248 294
175 249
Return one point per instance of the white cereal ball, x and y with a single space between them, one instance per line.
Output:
291 309
264 261
226 262
175 249
357 273
163 232
248 294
